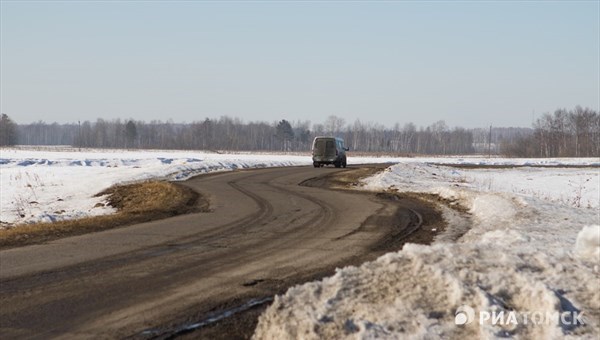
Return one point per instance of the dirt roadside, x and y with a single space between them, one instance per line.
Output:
135 203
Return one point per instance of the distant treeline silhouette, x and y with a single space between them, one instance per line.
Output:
573 133
233 134
566 133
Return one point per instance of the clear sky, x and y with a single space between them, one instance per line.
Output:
469 63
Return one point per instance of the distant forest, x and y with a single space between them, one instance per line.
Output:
566 133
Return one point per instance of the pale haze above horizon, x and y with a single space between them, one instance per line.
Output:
470 64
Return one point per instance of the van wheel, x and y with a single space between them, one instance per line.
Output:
316 165
337 164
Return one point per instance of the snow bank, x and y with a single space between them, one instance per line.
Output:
523 256
587 245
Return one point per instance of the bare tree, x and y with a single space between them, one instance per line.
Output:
574 133
334 124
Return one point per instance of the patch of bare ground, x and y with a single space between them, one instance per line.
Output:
434 199
135 203
348 179
432 223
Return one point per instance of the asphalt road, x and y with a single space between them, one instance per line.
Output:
265 233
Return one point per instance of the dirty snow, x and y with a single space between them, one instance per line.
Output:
529 253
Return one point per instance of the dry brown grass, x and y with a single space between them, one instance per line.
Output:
135 203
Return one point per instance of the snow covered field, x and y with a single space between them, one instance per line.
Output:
530 255
55 183
576 187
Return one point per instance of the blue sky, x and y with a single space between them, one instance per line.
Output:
469 63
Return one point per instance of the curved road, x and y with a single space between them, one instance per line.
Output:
264 233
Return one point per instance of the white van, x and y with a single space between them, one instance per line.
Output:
329 150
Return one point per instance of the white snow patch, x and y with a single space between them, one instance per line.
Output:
576 187
587 245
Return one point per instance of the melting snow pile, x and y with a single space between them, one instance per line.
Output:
526 268
587 246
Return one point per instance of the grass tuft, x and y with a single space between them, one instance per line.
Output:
135 203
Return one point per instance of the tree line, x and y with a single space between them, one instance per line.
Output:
233 134
565 133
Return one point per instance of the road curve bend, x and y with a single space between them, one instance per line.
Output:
264 233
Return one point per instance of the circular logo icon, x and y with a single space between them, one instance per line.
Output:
464 315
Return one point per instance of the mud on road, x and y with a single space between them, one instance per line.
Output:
207 275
